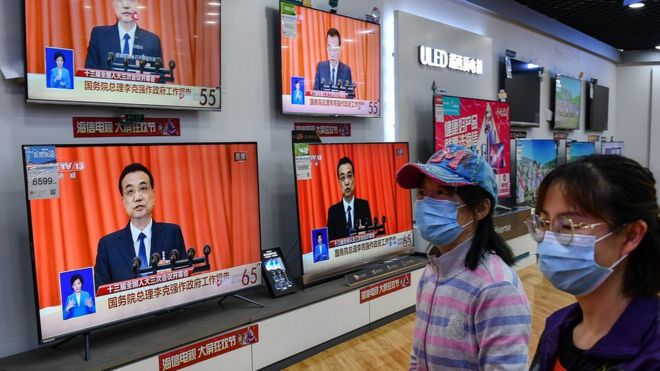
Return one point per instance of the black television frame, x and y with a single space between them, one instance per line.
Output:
597 109
506 84
86 331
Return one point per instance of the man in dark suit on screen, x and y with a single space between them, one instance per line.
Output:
343 215
332 70
123 38
141 237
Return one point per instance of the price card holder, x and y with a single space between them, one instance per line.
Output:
41 170
276 273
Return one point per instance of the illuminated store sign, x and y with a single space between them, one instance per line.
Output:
442 59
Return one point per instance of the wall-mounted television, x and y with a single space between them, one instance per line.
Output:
567 102
534 159
145 53
611 148
523 89
350 209
330 63
597 107
575 150
87 214
478 124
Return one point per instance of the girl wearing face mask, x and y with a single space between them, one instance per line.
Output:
472 312
597 224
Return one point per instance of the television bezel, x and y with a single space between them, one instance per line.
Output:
43 340
347 268
112 104
279 59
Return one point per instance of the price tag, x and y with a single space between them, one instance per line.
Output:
42 173
303 168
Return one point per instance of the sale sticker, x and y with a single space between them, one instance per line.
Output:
42 172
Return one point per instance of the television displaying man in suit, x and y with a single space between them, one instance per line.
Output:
343 215
332 70
141 237
123 37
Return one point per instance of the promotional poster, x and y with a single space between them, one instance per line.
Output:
480 125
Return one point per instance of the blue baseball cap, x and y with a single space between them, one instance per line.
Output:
453 166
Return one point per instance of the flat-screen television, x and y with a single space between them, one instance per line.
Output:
350 209
132 53
611 148
523 89
94 209
534 159
575 150
568 99
478 124
330 63
597 107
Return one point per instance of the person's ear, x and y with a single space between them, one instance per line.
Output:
634 232
482 209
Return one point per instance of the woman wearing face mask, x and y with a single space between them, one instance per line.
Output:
597 225
472 312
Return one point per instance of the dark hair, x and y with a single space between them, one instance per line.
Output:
619 191
333 32
76 277
343 161
485 239
319 234
57 55
132 168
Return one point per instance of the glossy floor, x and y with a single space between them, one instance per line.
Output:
388 347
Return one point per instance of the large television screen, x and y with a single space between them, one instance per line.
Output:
133 53
575 150
568 99
523 89
478 124
534 159
90 219
350 209
598 107
330 63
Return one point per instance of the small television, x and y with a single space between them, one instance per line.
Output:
147 53
575 150
597 107
330 64
534 159
567 102
478 124
611 148
329 179
523 89
83 223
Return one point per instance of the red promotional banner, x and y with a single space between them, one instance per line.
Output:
385 287
96 127
209 348
481 125
325 130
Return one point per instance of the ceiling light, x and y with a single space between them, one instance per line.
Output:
636 5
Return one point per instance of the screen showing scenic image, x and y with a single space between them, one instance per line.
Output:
534 159
568 97
350 209
158 53
611 148
575 150
122 231
330 63
478 124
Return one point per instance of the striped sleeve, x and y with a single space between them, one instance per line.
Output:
502 326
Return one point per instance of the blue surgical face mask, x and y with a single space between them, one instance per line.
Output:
437 220
572 268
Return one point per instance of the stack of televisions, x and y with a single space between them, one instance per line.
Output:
210 191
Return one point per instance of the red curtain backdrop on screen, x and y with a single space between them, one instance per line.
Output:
185 35
375 173
213 198
360 50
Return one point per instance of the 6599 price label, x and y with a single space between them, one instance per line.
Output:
43 181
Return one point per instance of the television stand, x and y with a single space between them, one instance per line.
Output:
241 298
85 345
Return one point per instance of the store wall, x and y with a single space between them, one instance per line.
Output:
251 113
633 110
